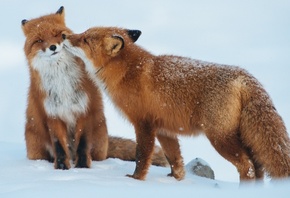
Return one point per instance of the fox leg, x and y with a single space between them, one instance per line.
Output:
171 148
38 142
100 142
37 147
145 137
259 170
231 148
83 158
83 144
58 133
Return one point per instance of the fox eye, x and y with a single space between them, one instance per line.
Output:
39 41
85 40
63 36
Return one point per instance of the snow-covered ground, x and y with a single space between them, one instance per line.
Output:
250 34
23 178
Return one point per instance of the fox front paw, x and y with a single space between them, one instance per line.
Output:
60 164
83 162
136 177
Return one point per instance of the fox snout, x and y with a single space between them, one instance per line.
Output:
73 39
52 47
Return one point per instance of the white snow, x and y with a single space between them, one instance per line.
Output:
252 34
23 178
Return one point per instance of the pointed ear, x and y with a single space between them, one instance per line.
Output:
134 34
23 26
113 45
60 10
60 13
24 21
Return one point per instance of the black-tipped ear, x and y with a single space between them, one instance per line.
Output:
60 10
134 34
24 21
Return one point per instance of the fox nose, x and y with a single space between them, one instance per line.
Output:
52 47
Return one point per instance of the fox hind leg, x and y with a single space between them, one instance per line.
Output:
171 148
259 170
37 149
38 142
232 149
100 140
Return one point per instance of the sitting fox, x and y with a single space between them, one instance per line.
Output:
167 96
65 117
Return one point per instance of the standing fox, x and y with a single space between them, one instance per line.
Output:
64 116
165 96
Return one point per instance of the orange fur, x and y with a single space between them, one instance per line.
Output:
166 96
64 117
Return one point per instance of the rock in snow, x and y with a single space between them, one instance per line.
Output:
200 168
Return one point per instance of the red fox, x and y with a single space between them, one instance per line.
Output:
168 95
64 117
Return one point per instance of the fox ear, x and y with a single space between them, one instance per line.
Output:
134 34
60 10
113 45
24 21
23 26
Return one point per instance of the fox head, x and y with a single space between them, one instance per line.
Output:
100 43
45 35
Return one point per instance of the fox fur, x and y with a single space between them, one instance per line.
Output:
65 117
167 96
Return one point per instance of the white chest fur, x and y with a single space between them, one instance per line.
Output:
60 77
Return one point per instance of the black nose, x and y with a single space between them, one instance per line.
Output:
52 47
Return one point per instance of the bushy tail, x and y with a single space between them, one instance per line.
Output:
264 133
125 149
